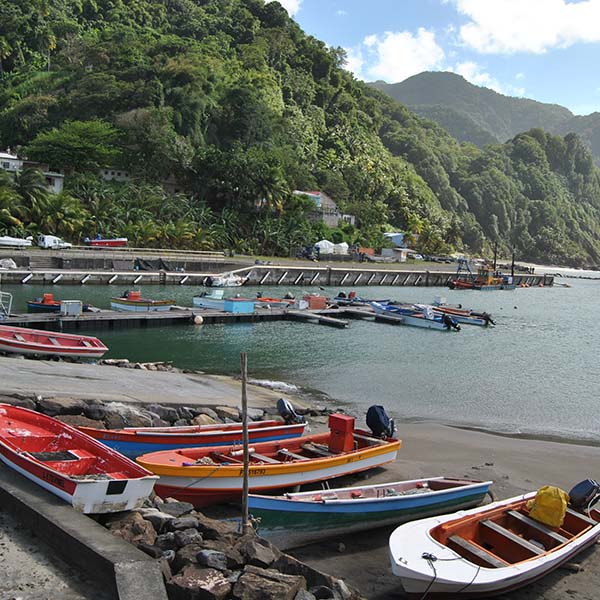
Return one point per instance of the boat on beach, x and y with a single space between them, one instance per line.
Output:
226 280
297 519
409 315
22 340
47 303
134 441
486 551
70 464
205 476
100 242
132 301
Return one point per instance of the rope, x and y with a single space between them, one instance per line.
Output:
431 559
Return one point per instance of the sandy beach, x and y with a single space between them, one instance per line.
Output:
515 465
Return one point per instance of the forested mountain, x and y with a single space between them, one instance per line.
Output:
234 102
482 116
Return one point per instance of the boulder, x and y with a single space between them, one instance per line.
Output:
304 595
61 406
256 414
153 551
185 556
184 522
176 508
167 413
20 402
120 415
204 420
195 583
235 559
322 592
80 421
180 423
96 412
258 555
267 584
132 527
185 413
158 518
213 529
187 536
204 410
228 412
166 541
212 558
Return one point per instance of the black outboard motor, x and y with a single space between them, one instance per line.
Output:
286 410
584 495
379 422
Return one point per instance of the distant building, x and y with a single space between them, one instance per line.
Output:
13 164
326 209
397 238
111 174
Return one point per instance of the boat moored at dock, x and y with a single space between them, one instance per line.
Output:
132 301
301 518
70 464
409 315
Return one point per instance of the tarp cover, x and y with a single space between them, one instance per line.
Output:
325 246
156 264
340 248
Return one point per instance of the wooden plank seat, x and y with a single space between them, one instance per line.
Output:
561 539
286 452
263 458
54 341
480 553
372 441
86 343
582 516
318 449
513 537
225 458
18 337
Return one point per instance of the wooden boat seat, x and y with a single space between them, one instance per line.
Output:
513 537
18 337
561 539
286 452
263 458
487 558
54 341
372 441
317 449
86 343
225 458
582 516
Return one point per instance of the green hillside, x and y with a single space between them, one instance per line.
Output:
234 106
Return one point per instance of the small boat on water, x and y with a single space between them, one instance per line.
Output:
266 302
70 464
47 303
351 299
226 280
205 476
409 315
134 441
486 551
214 300
485 280
467 316
293 520
13 242
22 340
100 242
132 301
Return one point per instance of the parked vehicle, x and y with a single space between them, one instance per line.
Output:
52 241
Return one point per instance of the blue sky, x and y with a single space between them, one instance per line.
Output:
547 50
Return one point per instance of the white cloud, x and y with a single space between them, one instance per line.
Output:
473 72
534 26
520 76
292 6
354 61
394 56
341 13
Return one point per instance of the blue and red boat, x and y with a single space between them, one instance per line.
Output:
47 303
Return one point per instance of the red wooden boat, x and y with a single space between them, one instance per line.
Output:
21 340
134 441
70 464
106 243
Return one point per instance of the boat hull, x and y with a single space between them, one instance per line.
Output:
407 317
112 243
209 303
290 523
124 305
21 340
133 443
458 577
119 484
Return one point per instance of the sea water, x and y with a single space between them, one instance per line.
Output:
535 373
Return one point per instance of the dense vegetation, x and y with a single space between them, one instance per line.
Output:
234 103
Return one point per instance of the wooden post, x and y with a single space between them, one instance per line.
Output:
244 367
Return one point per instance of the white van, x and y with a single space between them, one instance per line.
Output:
51 241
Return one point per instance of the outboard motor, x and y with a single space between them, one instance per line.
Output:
379 422
286 410
584 495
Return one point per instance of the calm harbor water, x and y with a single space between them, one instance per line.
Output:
535 373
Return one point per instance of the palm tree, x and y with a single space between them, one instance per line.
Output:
10 206
30 185
63 215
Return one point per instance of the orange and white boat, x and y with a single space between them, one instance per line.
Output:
205 476
486 551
